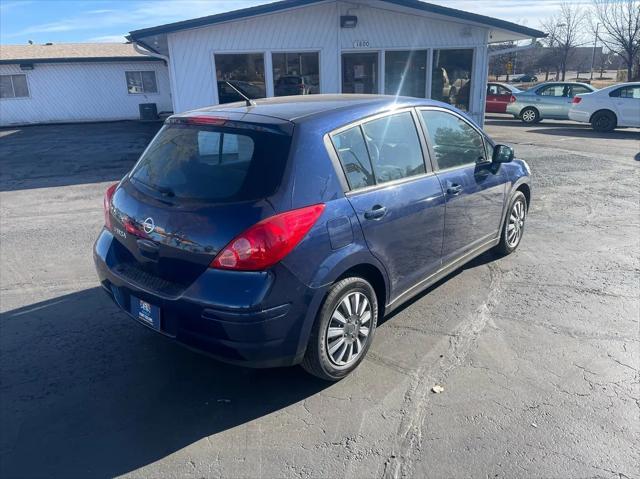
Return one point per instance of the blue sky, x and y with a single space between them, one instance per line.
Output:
61 21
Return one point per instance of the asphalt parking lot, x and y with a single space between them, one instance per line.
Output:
538 353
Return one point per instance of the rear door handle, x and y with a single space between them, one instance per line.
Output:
375 213
454 190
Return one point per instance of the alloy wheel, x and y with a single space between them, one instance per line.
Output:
515 226
348 329
529 116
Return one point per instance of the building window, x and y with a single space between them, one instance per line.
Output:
451 77
405 73
243 72
141 82
360 73
296 73
13 86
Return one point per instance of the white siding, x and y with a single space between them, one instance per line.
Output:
385 28
69 92
317 27
191 51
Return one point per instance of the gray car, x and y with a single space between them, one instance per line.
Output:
547 100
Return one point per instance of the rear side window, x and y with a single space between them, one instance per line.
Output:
354 158
579 90
212 164
626 92
394 147
455 142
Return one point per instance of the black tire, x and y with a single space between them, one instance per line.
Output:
317 360
506 246
530 115
604 121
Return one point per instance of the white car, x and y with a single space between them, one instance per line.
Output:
609 108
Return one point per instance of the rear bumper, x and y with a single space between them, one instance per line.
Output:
581 116
259 319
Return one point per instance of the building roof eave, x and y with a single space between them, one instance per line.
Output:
518 32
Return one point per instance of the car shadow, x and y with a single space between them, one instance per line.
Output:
40 156
87 392
484 258
562 128
588 132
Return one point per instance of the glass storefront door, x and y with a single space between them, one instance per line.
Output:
451 77
405 73
360 73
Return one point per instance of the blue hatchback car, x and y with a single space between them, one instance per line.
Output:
280 232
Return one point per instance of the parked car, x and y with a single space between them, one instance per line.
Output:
292 85
525 78
548 100
609 108
280 233
498 96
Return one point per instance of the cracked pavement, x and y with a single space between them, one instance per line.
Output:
538 352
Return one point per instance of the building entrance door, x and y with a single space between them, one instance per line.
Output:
360 73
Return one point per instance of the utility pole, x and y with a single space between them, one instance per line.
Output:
593 55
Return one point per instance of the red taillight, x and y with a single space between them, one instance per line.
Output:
269 241
512 99
576 100
106 204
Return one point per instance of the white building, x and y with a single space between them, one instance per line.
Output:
79 82
405 47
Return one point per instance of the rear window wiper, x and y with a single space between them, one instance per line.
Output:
163 190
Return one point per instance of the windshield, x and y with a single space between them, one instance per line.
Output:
213 164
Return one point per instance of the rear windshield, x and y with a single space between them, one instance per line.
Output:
212 164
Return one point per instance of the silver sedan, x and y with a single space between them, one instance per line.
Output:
547 100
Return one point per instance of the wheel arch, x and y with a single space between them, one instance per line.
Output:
526 191
374 276
603 110
532 107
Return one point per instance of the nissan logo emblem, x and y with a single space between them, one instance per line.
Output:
149 225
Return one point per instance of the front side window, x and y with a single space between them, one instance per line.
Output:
394 147
13 86
555 90
455 142
243 72
451 77
296 73
141 82
354 158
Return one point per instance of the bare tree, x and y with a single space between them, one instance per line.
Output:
564 32
620 22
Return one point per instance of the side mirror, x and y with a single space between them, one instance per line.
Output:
502 154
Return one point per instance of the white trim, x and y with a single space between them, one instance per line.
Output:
269 84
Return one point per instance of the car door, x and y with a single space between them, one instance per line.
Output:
474 187
553 101
626 101
492 98
398 200
502 99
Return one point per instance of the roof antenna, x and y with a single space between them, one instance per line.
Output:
249 101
